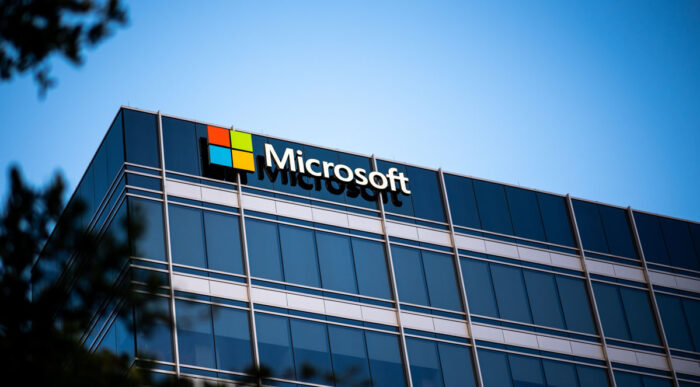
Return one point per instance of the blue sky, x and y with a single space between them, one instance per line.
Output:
599 99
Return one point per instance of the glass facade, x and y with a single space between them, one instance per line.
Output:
304 280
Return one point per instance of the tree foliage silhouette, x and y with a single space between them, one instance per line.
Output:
32 30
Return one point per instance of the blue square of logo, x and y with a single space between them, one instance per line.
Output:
220 155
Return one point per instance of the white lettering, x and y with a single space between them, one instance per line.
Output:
310 170
373 180
348 172
287 157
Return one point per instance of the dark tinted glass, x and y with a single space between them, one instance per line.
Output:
692 315
410 278
544 299
310 342
456 365
493 207
495 371
441 280
115 147
187 236
575 304
263 249
397 202
425 362
559 374
141 138
155 344
223 241
99 167
349 355
510 293
384 359
674 322
336 262
612 311
526 371
195 337
299 256
555 219
274 345
150 244
679 243
639 315
525 213
180 145
479 287
590 226
370 262
652 238
232 338
617 231
363 197
425 194
460 193
590 376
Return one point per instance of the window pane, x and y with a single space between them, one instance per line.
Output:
425 194
397 202
626 379
679 243
493 207
232 338
141 135
335 260
187 236
384 359
274 345
350 363
477 283
612 312
442 283
115 147
150 244
311 354
494 368
591 376
370 262
560 374
651 237
155 344
575 303
299 256
263 249
650 381
424 361
102 180
460 193
194 334
692 315
526 371
590 226
639 315
555 218
223 242
355 195
673 319
410 280
544 300
180 145
456 365
525 213
617 231
510 293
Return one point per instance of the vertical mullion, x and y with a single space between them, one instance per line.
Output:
657 314
168 252
589 288
458 268
392 279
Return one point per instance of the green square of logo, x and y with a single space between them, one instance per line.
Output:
241 141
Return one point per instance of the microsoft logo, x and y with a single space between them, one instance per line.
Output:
230 148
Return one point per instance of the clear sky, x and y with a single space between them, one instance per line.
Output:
599 99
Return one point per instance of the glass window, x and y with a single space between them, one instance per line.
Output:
425 363
336 262
510 293
102 180
410 279
460 194
674 321
263 249
150 243
526 371
625 313
299 256
627 379
397 202
187 236
640 318
125 337
590 226
232 338
156 343
544 300
348 349
274 345
493 207
575 304
180 146
223 241
370 262
311 353
617 231
441 280
358 196
478 286
195 338
612 312
141 138
456 365
651 237
87 195
384 359
695 232
495 371
115 147
591 376
692 315
679 243
555 219
425 194
560 374
525 213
